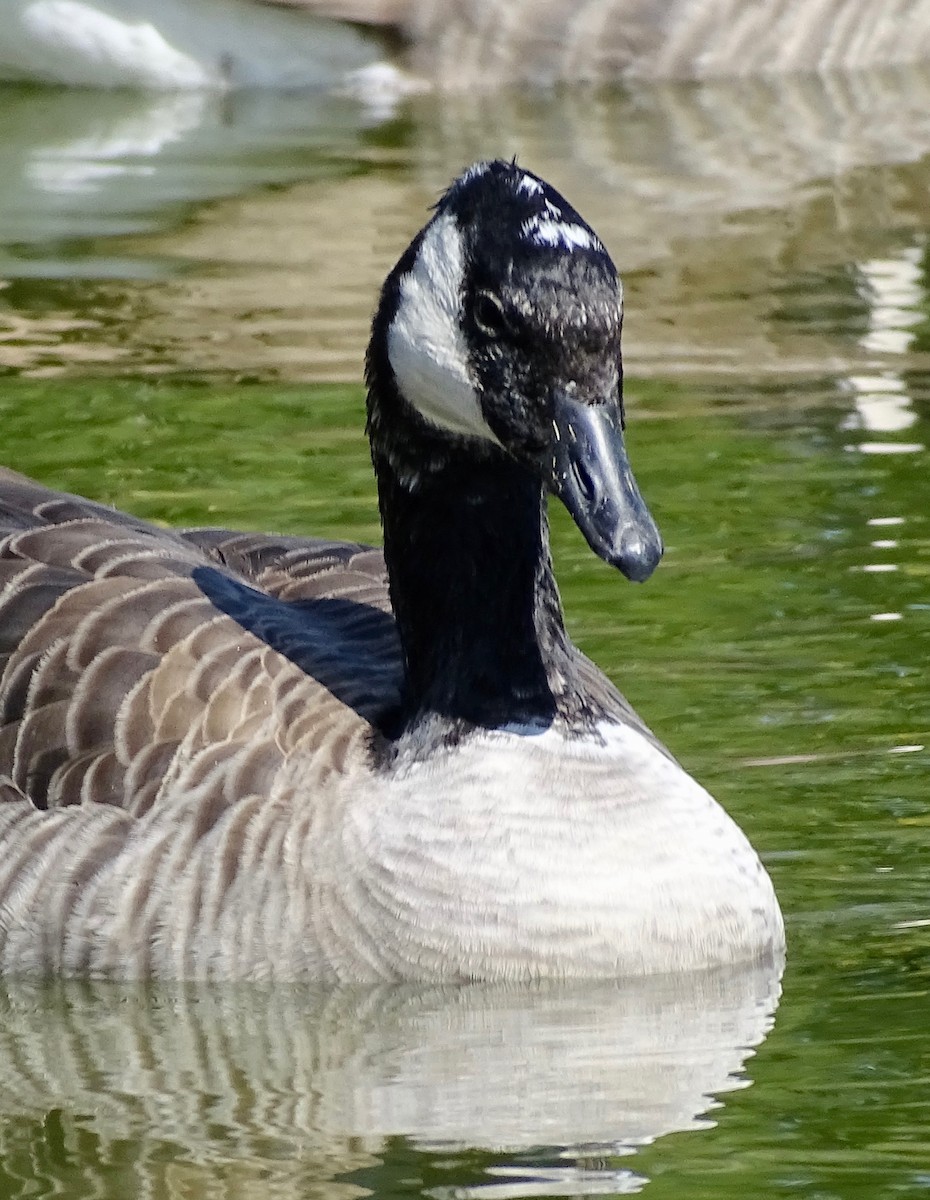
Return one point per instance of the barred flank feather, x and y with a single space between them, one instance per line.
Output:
122 688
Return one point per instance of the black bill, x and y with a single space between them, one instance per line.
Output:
592 477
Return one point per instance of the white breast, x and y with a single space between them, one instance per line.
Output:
520 855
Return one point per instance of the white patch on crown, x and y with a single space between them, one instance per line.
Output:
475 171
543 232
529 186
426 345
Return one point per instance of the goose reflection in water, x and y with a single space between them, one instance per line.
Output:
297 1089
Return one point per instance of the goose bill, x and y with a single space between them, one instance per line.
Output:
591 475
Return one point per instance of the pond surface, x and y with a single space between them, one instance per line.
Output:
185 285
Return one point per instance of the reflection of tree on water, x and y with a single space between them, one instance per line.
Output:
292 1088
711 198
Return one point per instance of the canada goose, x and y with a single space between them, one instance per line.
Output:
235 755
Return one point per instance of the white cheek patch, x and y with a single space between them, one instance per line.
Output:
542 231
426 345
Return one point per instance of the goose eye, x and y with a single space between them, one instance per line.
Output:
488 314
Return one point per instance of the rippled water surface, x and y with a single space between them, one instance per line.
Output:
185 285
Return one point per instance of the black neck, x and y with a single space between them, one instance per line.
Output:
466 541
477 609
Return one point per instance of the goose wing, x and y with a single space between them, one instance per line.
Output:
136 660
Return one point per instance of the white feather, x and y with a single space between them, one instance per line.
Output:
543 232
531 852
529 186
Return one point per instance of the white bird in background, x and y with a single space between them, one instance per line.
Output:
223 44
177 45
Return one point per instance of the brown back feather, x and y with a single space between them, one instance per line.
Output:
113 654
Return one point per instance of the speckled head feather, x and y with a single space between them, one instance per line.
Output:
520 205
505 291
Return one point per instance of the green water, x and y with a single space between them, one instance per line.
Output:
190 350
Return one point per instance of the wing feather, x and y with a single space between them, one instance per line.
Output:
137 662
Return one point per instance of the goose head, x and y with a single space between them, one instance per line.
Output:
498 338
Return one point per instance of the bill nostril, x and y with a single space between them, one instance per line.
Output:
584 479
